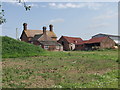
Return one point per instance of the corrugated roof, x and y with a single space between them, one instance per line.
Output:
83 42
32 33
93 40
96 40
50 43
107 35
73 39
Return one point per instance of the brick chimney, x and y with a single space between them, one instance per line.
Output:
24 26
44 30
51 27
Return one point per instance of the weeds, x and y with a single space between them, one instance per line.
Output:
73 69
93 69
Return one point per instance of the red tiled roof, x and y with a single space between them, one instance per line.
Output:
73 39
93 40
96 40
82 42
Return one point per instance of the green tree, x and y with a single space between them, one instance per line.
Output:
2 19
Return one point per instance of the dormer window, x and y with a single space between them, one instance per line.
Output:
75 41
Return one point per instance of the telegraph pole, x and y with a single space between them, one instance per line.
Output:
16 33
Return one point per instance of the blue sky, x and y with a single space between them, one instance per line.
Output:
75 19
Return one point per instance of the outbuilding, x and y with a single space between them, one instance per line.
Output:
69 43
96 43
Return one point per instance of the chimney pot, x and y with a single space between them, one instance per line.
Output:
51 27
44 30
24 26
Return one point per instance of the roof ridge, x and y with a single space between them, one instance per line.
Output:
71 37
108 34
34 30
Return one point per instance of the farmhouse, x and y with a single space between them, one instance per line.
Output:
95 43
69 42
46 42
44 38
116 38
28 34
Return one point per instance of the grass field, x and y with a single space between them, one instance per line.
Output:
12 48
73 69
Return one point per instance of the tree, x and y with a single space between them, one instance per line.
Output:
2 19
24 4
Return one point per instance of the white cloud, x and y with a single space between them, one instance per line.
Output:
14 2
94 6
66 0
33 5
59 20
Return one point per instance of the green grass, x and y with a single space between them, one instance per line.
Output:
74 69
107 80
27 66
15 48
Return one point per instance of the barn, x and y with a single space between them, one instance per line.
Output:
116 38
96 43
69 42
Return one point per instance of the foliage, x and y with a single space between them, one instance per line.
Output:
25 6
15 48
2 19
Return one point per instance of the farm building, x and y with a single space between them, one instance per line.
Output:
44 38
116 38
50 45
69 42
28 34
95 43
46 42
41 37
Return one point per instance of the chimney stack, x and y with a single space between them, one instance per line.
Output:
51 27
44 30
24 26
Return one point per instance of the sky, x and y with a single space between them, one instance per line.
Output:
74 19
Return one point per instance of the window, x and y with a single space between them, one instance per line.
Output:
82 45
46 47
62 43
75 41
57 47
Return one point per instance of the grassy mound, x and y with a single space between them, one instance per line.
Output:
15 48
